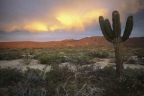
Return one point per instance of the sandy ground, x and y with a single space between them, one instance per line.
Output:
19 64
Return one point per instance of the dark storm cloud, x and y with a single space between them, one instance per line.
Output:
138 24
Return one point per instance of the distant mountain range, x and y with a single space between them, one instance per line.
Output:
94 41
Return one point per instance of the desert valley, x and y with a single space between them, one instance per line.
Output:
64 64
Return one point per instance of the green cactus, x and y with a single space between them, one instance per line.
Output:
114 36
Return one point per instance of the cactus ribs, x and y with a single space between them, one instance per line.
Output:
114 36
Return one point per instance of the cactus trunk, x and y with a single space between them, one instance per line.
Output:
118 46
114 36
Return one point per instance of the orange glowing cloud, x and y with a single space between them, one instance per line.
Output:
36 27
30 27
70 20
79 21
64 20
63 15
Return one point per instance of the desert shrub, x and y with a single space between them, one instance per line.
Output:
106 72
9 76
77 89
26 60
10 55
134 79
132 83
131 61
52 59
31 51
34 76
33 83
39 55
81 60
139 52
100 54
56 77
31 92
62 81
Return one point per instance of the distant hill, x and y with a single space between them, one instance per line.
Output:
95 41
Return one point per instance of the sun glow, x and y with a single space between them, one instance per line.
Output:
79 21
67 19
61 21
36 27
53 28
70 21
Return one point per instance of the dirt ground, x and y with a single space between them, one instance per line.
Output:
19 64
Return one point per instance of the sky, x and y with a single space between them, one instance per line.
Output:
54 20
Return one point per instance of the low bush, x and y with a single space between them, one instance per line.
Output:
132 84
63 82
9 76
33 83
52 59
81 60
56 77
133 79
131 61
100 54
39 55
10 55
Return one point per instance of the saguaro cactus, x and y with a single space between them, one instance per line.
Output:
115 37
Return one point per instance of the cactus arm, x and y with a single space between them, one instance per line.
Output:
109 29
128 28
114 36
102 26
116 23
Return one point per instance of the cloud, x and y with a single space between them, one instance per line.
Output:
60 15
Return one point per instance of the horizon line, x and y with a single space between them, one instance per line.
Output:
59 40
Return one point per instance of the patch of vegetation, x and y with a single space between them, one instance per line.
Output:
131 61
133 81
62 81
82 60
10 55
9 76
100 54
33 83
52 59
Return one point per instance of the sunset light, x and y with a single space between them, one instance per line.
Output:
71 47
68 19
59 19
79 20
36 27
